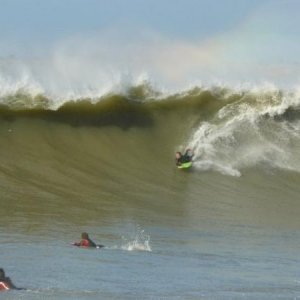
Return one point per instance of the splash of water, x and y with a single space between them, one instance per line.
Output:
141 242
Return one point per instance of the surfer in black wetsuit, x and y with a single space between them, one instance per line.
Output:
5 282
186 157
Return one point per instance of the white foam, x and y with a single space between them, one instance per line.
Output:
141 242
245 134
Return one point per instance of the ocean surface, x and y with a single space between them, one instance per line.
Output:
228 228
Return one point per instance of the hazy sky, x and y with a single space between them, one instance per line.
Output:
26 22
170 40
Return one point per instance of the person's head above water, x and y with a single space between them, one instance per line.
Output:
178 155
84 236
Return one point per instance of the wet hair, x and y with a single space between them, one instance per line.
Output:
84 235
2 273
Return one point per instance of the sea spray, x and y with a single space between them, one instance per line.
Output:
140 242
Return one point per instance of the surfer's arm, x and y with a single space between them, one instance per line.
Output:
189 153
91 243
11 285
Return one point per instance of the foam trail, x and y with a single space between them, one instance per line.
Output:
254 131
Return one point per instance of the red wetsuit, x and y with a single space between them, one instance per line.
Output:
85 243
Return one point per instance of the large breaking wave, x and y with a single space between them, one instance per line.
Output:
230 128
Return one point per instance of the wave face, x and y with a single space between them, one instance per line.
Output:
229 129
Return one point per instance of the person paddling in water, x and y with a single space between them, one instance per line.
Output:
87 242
5 282
186 157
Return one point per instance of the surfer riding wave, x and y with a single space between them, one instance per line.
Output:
183 158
